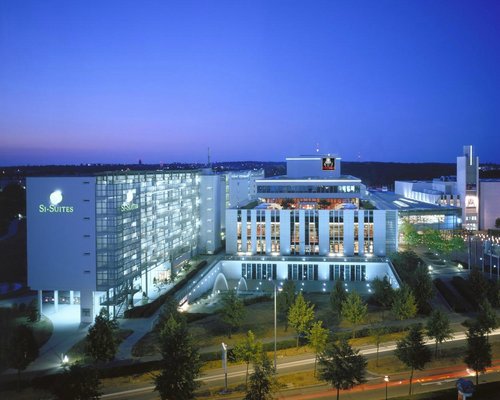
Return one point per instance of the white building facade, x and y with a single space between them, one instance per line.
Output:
311 232
309 226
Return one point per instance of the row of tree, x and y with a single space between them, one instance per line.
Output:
435 240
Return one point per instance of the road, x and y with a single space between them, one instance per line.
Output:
424 381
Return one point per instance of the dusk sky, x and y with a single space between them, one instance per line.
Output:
119 81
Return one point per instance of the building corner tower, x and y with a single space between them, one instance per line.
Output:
468 188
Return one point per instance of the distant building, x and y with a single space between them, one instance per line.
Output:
478 199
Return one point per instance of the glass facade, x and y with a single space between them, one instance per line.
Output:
143 220
341 272
294 189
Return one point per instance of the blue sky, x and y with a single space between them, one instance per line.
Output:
118 81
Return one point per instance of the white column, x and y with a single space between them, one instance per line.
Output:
361 232
268 231
284 232
71 297
253 214
86 306
348 232
56 300
379 232
324 232
231 231
243 230
302 232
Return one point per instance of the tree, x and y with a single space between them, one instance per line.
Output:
33 314
412 352
487 319
405 263
432 239
12 201
262 381
77 383
423 288
318 337
410 235
180 364
404 306
101 343
456 243
382 291
232 311
169 309
441 242
497 223
22 350
301 316
284 300
438 328
337 298
342 367
478 283
247 351
354 310
478 353
377 333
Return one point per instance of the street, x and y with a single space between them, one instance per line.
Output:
427 380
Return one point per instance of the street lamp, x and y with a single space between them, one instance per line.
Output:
386 380
224 364
275 328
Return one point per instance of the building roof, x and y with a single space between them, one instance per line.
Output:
310 179
392 201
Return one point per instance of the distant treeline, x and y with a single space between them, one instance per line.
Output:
373 174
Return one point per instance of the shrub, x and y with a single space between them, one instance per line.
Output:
463 287
456 303
255 300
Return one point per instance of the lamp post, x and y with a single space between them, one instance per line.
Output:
275 292
386 380
469 250
224 364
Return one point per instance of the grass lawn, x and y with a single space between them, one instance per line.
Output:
259 318
390 364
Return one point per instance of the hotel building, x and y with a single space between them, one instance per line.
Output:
310 225
103 240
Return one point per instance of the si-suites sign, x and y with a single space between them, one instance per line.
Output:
55 199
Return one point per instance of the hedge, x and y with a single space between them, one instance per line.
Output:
255 300
465 290
456 303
